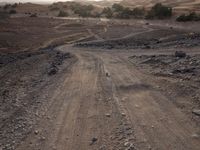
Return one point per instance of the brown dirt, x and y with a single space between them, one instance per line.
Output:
100 98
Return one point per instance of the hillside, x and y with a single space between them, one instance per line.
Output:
180 5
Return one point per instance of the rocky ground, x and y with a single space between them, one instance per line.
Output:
180 74
24 76
98 84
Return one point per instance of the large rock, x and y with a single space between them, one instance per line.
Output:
180 54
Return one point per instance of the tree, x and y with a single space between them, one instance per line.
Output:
159 11
82 10
3 15
12 11
63 14
190 17
107 11
117 7
138 12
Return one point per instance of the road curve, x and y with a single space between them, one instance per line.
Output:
105 103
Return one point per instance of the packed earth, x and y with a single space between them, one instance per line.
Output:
99 84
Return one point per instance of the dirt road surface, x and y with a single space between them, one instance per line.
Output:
102 101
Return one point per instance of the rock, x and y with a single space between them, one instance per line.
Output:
123 114
52 71
103 147
107 74
107 115
126 144
36 132
43 138
195 136
131 147
180 54
196 112
94 139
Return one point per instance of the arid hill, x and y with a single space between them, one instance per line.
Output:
179 5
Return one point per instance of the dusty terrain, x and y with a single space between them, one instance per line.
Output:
99 85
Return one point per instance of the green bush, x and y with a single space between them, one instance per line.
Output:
190 17
159 11
63 14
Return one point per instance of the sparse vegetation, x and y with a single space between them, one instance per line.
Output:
3 15
107 12
12 11
159 11
14 5
82 10
33 15
6 6
121 12
63 14
193 16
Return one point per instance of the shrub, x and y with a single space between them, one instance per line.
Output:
12 11
63 14
107 12
190 17
159 11
126 13
6 6
117 7
54 8
82 10
138 12
33 15
122 12
14 5
3 15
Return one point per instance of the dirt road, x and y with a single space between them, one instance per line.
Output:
106 103
98 99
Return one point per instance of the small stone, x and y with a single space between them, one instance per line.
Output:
43 138
149 147
123 114
94 139
196 112
107 115
107 74
36 132
137 106
126 144
103 147
180 54
195 136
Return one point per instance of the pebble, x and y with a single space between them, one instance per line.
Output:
123 114
94 139
107 115
36 132
195 136
126 144
196 112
